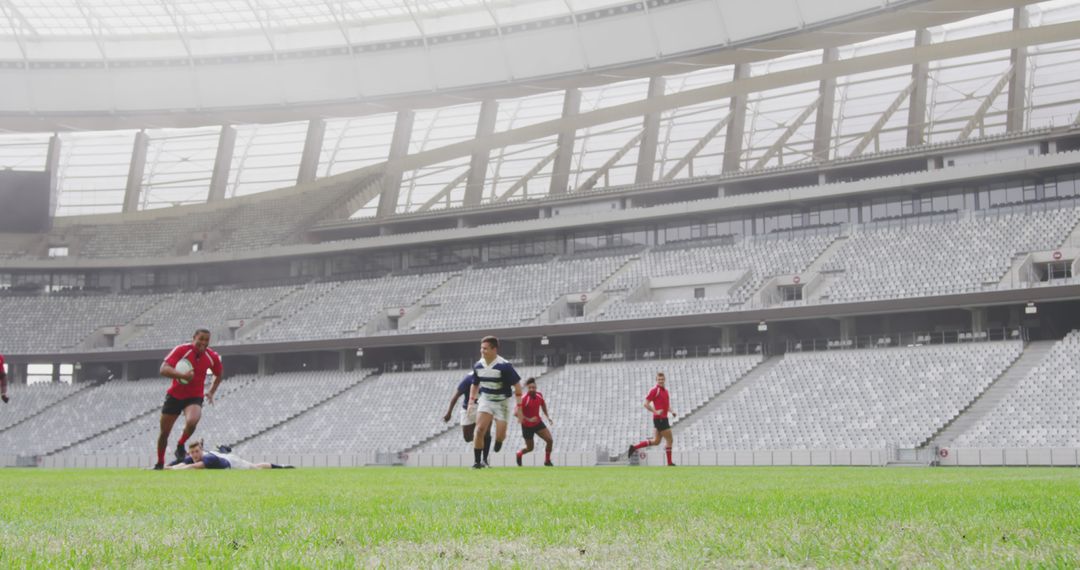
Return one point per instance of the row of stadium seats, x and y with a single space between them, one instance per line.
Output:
1040 411
856 399
970 254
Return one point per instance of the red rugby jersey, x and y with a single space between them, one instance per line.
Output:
660 401
530 408
208 361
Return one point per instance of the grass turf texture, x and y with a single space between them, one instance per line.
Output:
563 517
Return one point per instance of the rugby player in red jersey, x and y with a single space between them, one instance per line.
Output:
658 401
3 381
532 403
187 390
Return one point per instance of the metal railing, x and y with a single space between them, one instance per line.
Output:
889 340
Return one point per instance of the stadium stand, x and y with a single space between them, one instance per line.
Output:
391 412
1041 410
854 399
58 322
36 398
897 262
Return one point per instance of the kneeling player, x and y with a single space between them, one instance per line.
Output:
532 403
199 458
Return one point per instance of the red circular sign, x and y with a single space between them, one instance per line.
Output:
1057 255
584 297
943 452
401 311
796 279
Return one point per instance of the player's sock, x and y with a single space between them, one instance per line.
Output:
498 446
275 466
517 457
476 455
487 447
667 451
183 440
642 445
547 456
161 455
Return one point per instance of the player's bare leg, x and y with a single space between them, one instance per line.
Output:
483 423
545 434
467 432
166 424
192 415
668 441
644 443
500 434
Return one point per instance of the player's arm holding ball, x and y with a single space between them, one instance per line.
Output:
176 367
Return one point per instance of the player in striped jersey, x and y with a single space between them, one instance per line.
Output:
494 381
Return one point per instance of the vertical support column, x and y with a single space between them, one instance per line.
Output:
399 149
622 343
52 166
978 319
564 152
55 372
309 160
646 166
478 164
727 335
920 77
219 179
125 371
265 367
1014 116
847 328
523 349
135 172
21 373
823 124
737 125
432 354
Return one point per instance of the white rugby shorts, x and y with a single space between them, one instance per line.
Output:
468 416
501 410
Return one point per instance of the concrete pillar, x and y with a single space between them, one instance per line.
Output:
399 149
265 366
125 371
665 340
55 372
478 163
524 349
1014 115
847 328
920 76
136 169
432 353
824 122
219 177
727 335
564 153
978 319
309 159
646 165
622 343
737 125
52 166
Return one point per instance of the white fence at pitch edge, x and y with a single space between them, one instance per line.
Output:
949 457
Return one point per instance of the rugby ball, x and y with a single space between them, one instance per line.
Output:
183 367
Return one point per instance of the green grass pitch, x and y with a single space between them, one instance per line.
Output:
541 518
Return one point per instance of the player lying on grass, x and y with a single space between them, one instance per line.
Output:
199 458
532 403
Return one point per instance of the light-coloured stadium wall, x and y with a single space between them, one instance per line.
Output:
1013 457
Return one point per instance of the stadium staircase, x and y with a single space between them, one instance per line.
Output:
320 403
88 386
706 409
417 309
131 330
1032 356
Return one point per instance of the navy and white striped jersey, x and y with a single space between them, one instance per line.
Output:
497 379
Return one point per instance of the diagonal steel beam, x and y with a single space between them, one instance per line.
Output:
788 133
604 168
883 120
524 179
980 113
445 191
698 147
